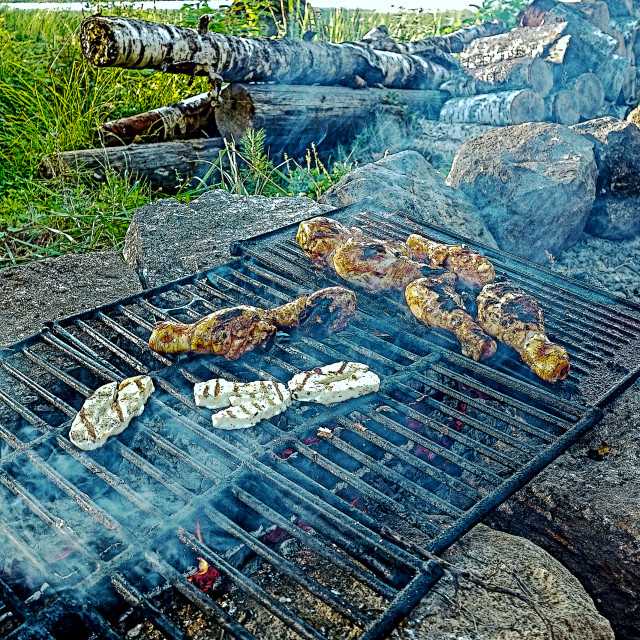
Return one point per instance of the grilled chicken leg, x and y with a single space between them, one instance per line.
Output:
233 332
434 301
377 265
320 237
514 317
468 265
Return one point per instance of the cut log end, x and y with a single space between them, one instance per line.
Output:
527 106
589 92
541 77
97 42
565 108
236 114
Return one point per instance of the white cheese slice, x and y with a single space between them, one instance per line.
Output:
248 414
333 383
109 411
262 390
219 393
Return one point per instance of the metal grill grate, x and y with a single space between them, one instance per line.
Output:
443 442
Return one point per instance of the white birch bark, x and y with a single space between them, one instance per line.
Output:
501 108
139 44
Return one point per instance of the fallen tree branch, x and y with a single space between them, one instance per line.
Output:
140 44
462 574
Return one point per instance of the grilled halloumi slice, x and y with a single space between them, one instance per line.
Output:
220 393
333 383
109 411
248 414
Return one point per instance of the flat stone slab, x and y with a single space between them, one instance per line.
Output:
49 289
168 240
584 509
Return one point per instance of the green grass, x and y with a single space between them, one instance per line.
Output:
51 100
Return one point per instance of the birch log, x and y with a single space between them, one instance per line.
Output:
589 92
165 165
295 117
594 11
442 140
563 107
165 123
501 108
613 72
520 73
521 42
139 44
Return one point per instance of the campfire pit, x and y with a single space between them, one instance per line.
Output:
171 511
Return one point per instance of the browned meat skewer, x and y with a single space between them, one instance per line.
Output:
434 301
377 265
514 317
468 265
233 332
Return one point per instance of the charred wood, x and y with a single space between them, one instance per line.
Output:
180 119
518 43
501 108
139 44
165 165
295 117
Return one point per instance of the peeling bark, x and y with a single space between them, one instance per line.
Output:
165 165
180 119
501 108
139 44
518 43
295 117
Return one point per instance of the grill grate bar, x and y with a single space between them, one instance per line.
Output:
402 454
58 373
135 598
443 452
195 596
296 623
342 562
289 569
394 476
352 479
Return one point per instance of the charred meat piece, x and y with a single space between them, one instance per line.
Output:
514 317
233 332
434 301
320 237
377 265
324 312
468 265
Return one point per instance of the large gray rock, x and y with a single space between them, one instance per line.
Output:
615 218
585 511
406 182
168 240
617 152
535 183
511 562
43 291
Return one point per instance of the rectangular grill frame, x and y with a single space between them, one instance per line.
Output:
263 461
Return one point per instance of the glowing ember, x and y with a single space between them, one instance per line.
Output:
205 577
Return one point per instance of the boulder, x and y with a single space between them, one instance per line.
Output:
535 184
168 240
617 152
515 563
406 182
49 289
615 218
584 509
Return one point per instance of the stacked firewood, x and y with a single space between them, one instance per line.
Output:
563 63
